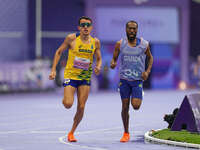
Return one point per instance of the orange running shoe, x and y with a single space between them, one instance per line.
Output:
125 137
71 137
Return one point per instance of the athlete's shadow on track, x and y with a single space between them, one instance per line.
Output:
138 139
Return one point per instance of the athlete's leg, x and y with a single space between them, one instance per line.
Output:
136 103
125 119
68 98
137 90
125 114
125 92
82 93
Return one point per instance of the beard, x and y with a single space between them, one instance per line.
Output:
131 38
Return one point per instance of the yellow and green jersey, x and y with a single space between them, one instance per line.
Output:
80 59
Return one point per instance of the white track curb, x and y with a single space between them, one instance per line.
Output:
148 137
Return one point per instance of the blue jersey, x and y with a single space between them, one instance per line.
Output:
132 62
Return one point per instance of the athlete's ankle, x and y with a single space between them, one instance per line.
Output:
70 132
127 132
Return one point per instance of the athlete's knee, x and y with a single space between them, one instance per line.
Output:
67 104
136 106
136 103
81 108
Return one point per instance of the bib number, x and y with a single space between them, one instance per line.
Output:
81 63
129 73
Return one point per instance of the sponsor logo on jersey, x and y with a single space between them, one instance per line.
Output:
85 50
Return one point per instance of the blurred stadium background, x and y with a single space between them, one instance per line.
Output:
32 30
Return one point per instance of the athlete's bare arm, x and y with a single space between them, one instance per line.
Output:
66 44
115 54
98 57
150 63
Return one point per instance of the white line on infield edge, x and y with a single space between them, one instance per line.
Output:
62 139
148 137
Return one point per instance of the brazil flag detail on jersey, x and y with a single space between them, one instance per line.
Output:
85 74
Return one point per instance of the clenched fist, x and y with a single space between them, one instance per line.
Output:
97 70
52 75
145 75
113 64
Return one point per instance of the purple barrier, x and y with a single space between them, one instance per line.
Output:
188 116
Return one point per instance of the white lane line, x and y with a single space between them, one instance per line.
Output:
29 122
76 133
61 139
38 131
30 130
8 132
55 132
97 130
9 117
47 132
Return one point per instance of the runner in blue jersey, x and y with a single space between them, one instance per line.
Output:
133 52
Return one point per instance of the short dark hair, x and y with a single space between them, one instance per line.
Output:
132 21
84 17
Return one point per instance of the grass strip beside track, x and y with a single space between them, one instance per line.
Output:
178 136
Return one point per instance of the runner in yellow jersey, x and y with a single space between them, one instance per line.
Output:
78 71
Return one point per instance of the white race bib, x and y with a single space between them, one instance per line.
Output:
81 63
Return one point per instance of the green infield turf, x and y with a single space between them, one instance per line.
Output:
179 136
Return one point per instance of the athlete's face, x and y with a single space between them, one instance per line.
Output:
85 27
131 31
